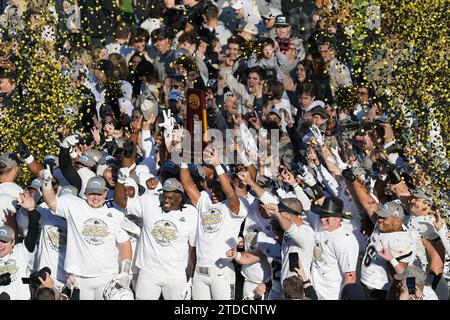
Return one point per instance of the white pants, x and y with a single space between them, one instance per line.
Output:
212 283
92 288
248 291
149 286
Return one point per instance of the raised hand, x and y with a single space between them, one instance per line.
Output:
96 135
245 177
288 177
46 176
23 150
70 141
27 201
341 165
317 134
152 183
169 121
178 135
124 173
211 156
255 122
308 178
271 209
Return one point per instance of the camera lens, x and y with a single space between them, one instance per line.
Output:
5 279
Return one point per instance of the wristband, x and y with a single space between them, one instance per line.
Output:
73 154
29 160
238 256
388 144
183 165
219 170
125 266
394 262
267 198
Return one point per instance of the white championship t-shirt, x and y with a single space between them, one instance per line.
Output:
92 237
16 263
51 248
298 239
163 244
335 253
374 272
217 231
254 224
272 249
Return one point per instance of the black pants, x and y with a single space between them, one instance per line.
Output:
374 294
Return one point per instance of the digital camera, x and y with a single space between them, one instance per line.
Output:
33 280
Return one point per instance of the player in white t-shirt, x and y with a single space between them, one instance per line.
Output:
390 249
429 246
298 237
166 241
336 250
267 249
51 248
256 274
15 258
95 238
220 217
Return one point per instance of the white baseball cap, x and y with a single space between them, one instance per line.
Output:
272 13
250 28
238 4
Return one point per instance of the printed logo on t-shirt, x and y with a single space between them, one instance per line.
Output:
318 252
211 220
164 231
57 238
95 231
250 236
9 266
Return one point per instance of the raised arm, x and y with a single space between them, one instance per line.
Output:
264 196
48 194
288 177
212 156
188 184
28 203
32 164
285 223
364 198
65 163
119 193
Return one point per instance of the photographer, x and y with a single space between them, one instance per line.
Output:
47 290
410 285
14 257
